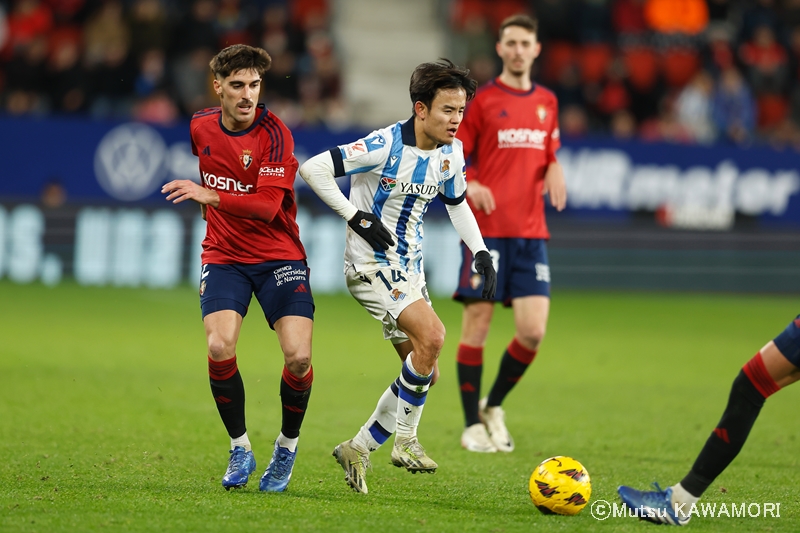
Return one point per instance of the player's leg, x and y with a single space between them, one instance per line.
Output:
285 297
475 320
775 366
530 318
528 289
426 333
224 294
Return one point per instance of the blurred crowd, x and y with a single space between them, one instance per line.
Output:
681 71
148 59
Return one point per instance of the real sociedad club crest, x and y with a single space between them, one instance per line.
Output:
445 169
541 112
245 159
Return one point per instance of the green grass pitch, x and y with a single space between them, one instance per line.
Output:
107 423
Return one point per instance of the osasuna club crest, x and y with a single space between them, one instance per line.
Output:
245 159
541 112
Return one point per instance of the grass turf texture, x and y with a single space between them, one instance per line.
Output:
108 425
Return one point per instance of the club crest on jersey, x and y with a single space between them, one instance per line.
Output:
397 295
541 112
387 184
246 159
445 168
475 281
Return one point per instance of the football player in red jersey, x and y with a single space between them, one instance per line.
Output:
252 246
510 135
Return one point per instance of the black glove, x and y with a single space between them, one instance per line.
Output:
485 267
372 230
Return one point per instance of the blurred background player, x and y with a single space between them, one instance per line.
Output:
396 172
774 367
252 246
510 136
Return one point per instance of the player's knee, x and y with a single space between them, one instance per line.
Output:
531 337
298 364
435 339
218 350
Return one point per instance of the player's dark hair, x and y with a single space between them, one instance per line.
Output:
240 57
522 20
429 78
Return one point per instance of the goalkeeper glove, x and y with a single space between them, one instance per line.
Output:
372 230
485 267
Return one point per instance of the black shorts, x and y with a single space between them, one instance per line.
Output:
281 287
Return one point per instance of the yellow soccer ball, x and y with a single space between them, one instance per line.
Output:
560 485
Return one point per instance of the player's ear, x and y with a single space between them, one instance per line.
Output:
217 87
420 109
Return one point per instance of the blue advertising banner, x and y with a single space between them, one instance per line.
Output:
687 186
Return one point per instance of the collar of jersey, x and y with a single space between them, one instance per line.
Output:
502 86
408 135
256 120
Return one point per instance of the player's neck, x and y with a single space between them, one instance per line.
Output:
424 142
234 126
522 83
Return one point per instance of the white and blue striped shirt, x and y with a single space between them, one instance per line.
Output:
395 180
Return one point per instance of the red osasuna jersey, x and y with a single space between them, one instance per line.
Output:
244 163
510 138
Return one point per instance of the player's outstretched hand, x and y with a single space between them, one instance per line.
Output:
372 230
181 190
485 267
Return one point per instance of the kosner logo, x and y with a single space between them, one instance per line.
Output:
608 179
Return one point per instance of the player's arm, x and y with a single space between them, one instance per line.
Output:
263 205
480 196
555 186
320 172
466 226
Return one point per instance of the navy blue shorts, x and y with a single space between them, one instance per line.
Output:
281 288
522 270
788 342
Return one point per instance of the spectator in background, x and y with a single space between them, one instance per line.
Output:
734 108
623 125
765 61
196 30
190 75
149 27
693 107
665 127
26 77
66 79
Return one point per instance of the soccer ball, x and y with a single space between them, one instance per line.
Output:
560 485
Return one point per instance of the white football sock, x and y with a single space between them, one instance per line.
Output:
242 441
381 424
413 389
681 495
286 442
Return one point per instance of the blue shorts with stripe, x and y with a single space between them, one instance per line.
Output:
281 287
522 270
788 342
